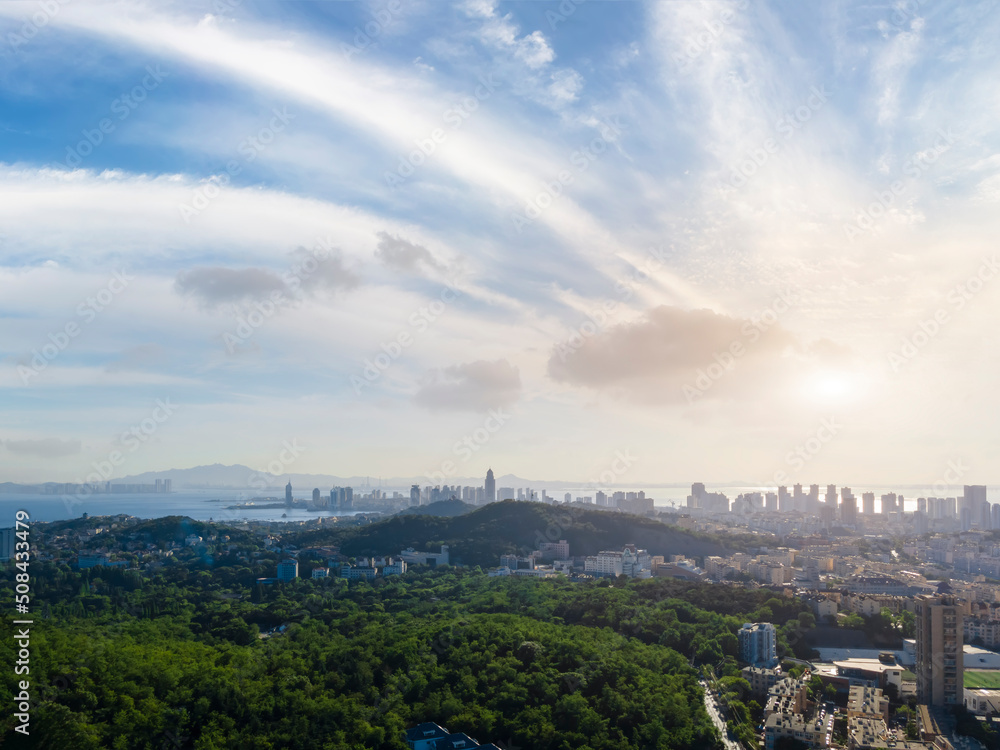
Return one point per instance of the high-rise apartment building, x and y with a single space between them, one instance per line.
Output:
288 493
758 644
848 506
868 503
415 495
491 486
784 500
939 667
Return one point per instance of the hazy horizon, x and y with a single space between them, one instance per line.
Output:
626 240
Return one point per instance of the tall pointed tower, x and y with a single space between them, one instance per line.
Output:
491 487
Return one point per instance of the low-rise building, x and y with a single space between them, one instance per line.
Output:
358 572
394 568
288 570
425 736
816 732
761 679
788 696
433 559
868 702
630 561
982 701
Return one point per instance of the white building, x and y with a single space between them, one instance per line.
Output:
356 573
321 573
631 562
394 568
434 559
758 644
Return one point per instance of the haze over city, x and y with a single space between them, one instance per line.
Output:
730 240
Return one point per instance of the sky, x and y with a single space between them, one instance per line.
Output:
613 242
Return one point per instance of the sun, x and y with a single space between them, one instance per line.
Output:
832 387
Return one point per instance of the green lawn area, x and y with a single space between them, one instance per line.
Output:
990 679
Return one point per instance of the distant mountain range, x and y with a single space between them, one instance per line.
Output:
238 476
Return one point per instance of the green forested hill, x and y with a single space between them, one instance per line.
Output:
480 537
175 661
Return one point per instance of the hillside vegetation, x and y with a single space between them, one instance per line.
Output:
480 537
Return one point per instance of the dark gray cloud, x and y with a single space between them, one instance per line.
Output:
215 285
44 448
653 359
321 273
403 255
472 386
308 273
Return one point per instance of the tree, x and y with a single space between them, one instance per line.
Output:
853 621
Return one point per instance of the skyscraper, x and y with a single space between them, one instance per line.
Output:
415 495
491 486
848 506
940 671
784 500
974 497
868 503
288 493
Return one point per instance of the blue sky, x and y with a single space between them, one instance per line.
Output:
690 230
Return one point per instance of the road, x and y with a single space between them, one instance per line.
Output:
713 712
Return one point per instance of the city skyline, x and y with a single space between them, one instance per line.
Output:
723 240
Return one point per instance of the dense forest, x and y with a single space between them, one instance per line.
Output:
176 659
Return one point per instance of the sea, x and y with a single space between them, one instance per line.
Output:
200 505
